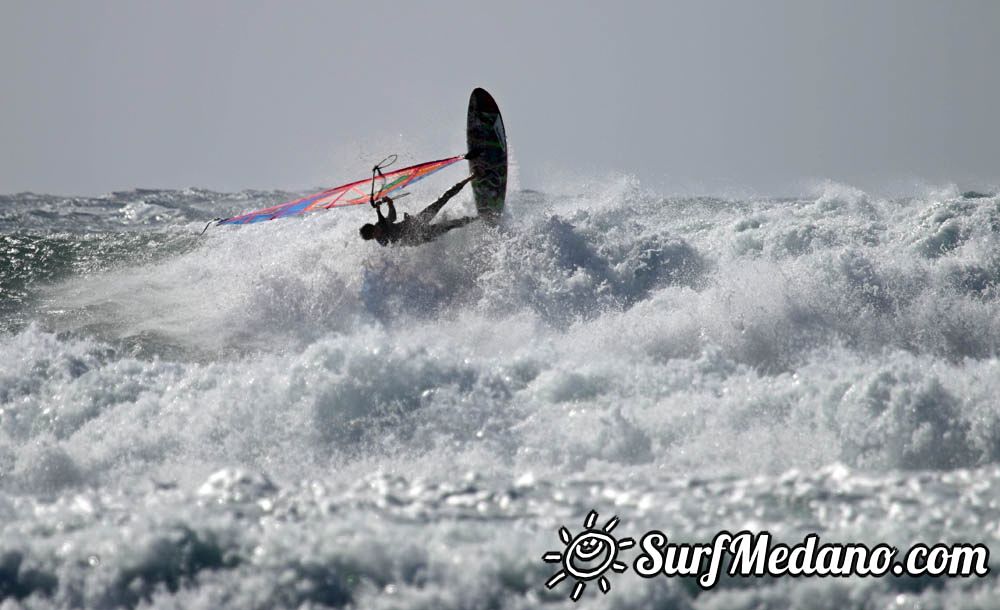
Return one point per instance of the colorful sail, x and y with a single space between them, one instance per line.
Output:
348 194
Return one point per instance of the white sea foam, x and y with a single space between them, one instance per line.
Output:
280 415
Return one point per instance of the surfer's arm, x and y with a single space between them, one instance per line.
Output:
392 211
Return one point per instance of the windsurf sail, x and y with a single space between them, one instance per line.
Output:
348 194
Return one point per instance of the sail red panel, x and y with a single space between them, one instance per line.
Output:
347 194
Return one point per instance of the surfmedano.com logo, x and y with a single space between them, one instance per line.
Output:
588 555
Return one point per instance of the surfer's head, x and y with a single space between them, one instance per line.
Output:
369 231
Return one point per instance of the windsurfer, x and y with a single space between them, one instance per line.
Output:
413 230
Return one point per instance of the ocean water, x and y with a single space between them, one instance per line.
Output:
282 416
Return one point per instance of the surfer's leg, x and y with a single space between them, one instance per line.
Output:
432 232
430 211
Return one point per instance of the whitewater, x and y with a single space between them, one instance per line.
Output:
283 416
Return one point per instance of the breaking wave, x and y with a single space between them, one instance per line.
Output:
167 400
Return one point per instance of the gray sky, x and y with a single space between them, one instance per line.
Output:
701 95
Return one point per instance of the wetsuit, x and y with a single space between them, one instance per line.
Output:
416 230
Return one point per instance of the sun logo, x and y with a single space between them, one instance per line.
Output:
588 556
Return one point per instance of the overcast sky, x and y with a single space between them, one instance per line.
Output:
101 96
